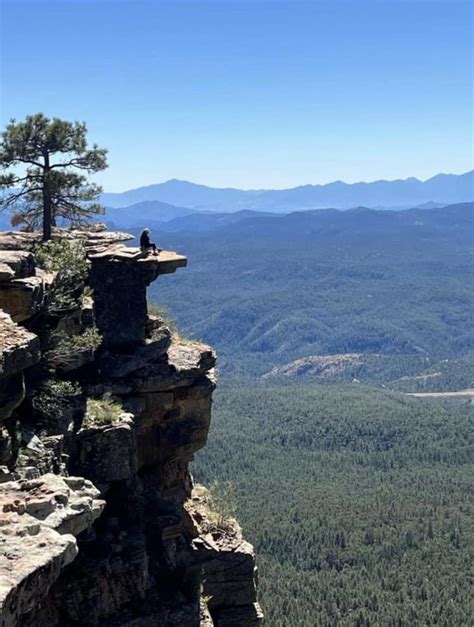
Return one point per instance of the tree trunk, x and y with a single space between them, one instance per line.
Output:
47 206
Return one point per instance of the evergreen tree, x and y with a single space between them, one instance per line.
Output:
45 164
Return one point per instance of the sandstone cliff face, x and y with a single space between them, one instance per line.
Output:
99 521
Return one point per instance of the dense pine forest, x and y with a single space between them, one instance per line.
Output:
358 501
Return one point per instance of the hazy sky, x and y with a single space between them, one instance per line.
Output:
249 93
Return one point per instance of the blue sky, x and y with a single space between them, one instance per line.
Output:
249 93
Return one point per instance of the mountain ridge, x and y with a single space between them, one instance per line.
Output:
275 289
440 188
252 223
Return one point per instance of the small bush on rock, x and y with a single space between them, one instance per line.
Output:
68 259
102 411
65 344
221 504
53 400
72 351
163 314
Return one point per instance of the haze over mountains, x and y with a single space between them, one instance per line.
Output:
176 200
407 193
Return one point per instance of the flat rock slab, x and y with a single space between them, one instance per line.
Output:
93 239
166 262
183 365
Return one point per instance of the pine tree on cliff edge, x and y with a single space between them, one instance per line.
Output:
45 165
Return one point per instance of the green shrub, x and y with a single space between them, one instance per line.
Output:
62 255
68 259
102 411
163 314
91 339
53 397
221 500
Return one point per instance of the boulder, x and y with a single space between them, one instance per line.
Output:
115 365
230 575
184 364
172 427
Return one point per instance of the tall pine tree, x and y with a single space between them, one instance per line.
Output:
45 164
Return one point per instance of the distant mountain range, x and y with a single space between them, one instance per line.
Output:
188 206
441 189
253 223
147 211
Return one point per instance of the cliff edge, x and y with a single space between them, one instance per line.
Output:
102 408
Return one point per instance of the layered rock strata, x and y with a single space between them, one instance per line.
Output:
99 524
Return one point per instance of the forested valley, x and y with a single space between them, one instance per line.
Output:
358 501
396 287
357 497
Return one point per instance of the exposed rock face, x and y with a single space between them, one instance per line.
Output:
229 565
40 519
323 366
121 542
15 265
120 276
19 349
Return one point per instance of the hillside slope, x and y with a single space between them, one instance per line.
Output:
271 290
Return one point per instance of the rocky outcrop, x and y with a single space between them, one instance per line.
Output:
15 264
230 572
96 239
19 349
120 276
40 519
99 524
322 366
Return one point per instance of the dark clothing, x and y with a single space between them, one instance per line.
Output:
145 240
145 243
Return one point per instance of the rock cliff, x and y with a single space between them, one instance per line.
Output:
101 411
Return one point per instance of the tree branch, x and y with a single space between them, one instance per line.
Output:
6 202
30 161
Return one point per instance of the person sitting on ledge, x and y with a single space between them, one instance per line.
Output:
146 245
